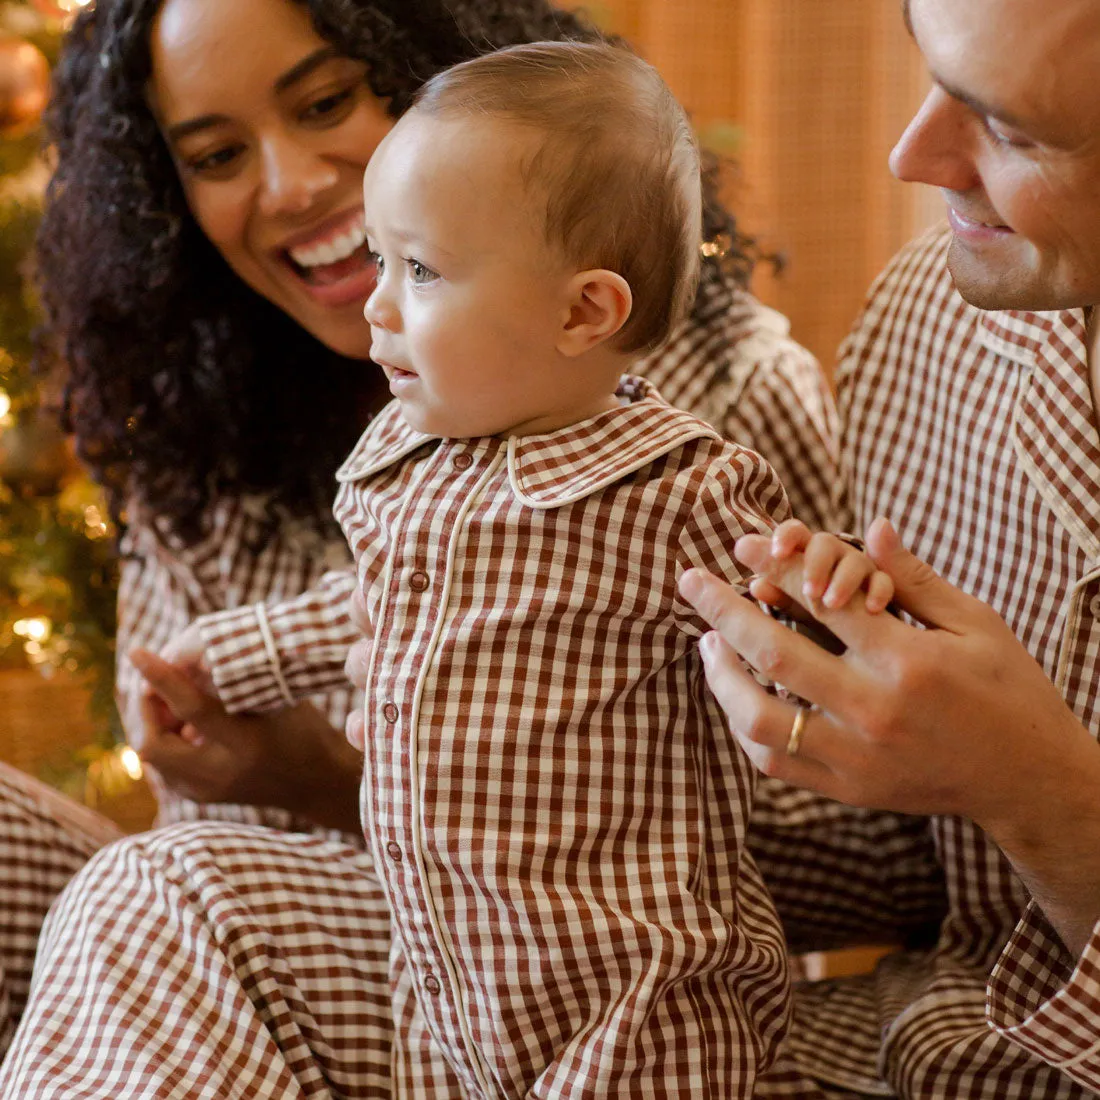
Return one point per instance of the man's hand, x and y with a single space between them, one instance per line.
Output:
293 759
953 719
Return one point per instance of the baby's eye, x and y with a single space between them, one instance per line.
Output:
421 273
379 263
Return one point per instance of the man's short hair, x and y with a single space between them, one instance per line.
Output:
617 165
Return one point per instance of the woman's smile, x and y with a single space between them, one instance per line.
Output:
331 262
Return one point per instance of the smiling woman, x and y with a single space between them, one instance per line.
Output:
271 147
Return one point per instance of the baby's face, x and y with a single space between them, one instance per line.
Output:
469 298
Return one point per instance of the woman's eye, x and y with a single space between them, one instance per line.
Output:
379 263
420 272
327 105
215 162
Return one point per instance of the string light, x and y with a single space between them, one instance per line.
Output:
131 762
35 630
5 404
95 526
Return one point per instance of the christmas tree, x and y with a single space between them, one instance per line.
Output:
57 546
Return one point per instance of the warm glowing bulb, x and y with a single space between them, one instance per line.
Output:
130 761
37 630
5 404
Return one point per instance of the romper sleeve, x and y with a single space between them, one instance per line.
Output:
1046 1002
740 494
264 656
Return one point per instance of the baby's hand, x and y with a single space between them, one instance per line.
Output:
833 570
357 667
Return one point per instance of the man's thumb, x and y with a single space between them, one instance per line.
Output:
919 589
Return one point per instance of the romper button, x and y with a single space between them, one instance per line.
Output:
389 712
1094 607
463 462
394 851
419 581
431 984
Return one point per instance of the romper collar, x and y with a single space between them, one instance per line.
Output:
548 471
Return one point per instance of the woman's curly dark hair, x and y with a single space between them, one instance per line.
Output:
184 384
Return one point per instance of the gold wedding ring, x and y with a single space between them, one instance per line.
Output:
794 740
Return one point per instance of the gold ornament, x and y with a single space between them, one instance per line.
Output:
24 86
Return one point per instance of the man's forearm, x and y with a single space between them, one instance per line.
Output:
1052 839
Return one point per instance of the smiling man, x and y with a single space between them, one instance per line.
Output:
969 395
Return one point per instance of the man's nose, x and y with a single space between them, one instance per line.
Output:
937 146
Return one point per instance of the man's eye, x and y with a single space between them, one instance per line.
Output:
1001 137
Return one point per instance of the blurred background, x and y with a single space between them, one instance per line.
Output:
804 97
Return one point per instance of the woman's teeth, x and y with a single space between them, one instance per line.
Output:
331 252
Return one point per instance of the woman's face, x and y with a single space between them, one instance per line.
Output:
271 130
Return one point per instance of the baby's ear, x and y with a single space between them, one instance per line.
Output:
599 305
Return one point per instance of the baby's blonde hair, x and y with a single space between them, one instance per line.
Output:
617 165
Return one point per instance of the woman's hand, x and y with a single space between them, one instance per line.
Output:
187 652
293 759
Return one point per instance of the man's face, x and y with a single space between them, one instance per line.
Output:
1010 133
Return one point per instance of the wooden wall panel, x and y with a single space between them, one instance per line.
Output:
809 96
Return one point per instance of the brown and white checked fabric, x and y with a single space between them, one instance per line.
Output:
47 839
733 364
165 585
307 1023
556 807
974 432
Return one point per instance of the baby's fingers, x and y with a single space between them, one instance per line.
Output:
789 538
880 591
826 562
763 591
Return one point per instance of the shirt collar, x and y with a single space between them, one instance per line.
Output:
1020 335
558 468
1054 427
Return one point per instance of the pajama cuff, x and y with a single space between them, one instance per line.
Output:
1045 1002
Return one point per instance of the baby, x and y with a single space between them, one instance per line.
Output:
556 807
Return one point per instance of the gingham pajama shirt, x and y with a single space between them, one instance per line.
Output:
975 434
555 804
220 959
